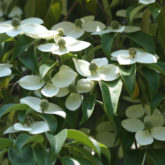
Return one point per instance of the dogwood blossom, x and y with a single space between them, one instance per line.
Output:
15 26
117 28
146 2
81 25
34 128
97 70
75 98
147 130
42 106
64 45
5 70
133 55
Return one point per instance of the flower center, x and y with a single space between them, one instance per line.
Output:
44 104
115 25
72 88
132 52
61 43
148 125
93 67
16 22
78 23
60 31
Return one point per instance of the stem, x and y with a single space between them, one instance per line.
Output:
107 10
70 10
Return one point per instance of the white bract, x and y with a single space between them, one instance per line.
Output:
64 45
16 26
97 70
75 97
117 28
64 77
43 106
81 25
5 70
133 55
146 2
33 128
147 130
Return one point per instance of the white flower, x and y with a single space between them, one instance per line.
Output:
117 28
97 70
81 25
146 2
34 128
133 55
75 97
151 128
16 11
64 45
42 106
5 70
15 26
64 77
35 82
44 34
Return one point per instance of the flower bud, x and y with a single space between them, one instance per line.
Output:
61 43
93 67
60 31
132 52
78 23
44 104
115 25
15 22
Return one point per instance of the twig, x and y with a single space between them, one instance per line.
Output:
70 10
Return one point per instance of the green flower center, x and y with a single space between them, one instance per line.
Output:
61 43
44 104
93 67
132 52
72 88
115 25
60 32
148 125
78 23
16 22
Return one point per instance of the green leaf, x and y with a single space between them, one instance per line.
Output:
157 156
144 40
29 10
52 122
29 59
135 156
53 14
84 139
91 5
88 105
56 142
161 27
22 43
159 66
135 11
129 78
22 157
110 94
5 143
4 37
24 139
155 10
42 157
156 100
74 161
152 79
107 42
12 107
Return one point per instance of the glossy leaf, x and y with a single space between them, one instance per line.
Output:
88 105
110 94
